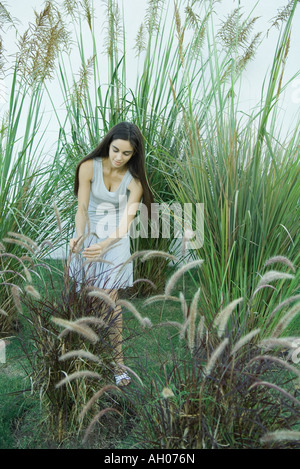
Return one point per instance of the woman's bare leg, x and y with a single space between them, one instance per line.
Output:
116 336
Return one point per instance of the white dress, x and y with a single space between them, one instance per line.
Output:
105 211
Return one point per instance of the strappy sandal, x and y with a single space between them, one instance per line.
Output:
122 377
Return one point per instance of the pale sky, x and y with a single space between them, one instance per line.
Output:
134 13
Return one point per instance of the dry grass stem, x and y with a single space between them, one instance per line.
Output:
4 313
244 340
222 318
171 282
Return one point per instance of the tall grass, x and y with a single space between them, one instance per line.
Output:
248 182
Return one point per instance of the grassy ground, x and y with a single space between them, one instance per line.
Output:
148 353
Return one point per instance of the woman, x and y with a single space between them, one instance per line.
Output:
110 182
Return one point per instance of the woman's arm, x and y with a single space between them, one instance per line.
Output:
85 176
136 192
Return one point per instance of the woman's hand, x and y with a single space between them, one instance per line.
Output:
95 250
75 244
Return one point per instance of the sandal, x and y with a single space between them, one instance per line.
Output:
122 377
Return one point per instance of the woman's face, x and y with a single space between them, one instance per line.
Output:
120 152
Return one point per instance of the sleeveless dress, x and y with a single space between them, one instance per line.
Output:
104 211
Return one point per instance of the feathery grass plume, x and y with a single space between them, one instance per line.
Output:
41 43
167 393
171 282
214 357
28 275
24 238
184 306
76 375
192 321
145 322
4 313
200 330
88 12
103 296
80 354
152 15
244 340
57 217
280 435
85 73
283 15
85 320
173 324
96 397
151 254
155 298
19 243
133 256
95 420
274 342
286 320
145 280
289 300
277 388
140 41
2 248
281 260
180 32
32 291
16 297
222 318
286 365
48 243
273 275
85 331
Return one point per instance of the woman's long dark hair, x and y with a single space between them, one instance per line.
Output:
136 165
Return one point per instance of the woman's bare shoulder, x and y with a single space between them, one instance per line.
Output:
135 185
86 170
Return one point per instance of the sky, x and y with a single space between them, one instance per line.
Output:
134 11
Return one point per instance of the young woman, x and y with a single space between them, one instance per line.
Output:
110 182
